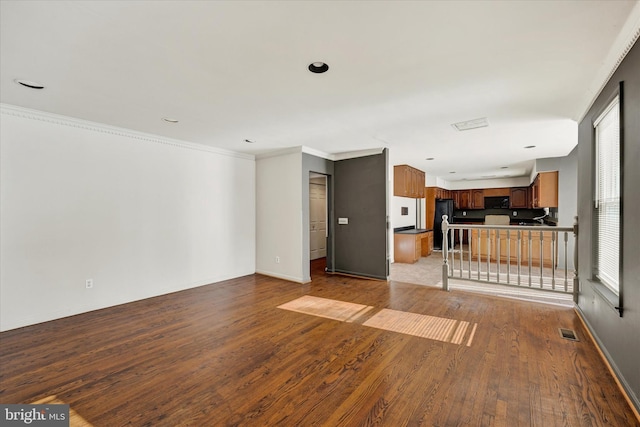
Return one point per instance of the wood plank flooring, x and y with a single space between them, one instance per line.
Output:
224 354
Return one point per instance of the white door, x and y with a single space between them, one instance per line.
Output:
318 218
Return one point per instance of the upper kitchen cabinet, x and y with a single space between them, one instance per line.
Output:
464 199
544 190
477 199
408 182
519 198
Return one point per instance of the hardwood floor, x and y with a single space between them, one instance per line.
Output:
224 354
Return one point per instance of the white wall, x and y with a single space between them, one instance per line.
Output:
279 216
398 220
139 215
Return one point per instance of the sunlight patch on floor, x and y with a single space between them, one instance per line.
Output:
328 308
420 325
75 420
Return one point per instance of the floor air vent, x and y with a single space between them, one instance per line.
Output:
568 334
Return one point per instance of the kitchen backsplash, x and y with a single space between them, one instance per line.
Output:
521 214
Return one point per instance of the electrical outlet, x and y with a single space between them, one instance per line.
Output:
464 213
277 260
515 213
89 283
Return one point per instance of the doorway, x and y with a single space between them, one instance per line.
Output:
318 220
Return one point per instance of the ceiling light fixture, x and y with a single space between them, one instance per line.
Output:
530 146
504 167
168 120
430 158
452 172
30 85
471 124
249 141
318 67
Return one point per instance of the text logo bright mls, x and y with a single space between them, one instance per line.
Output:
34 415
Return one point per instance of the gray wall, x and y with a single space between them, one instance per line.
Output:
319 165
360 194
619 337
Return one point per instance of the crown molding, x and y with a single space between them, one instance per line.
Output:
279 152
360 153
26 113
627 37
312 151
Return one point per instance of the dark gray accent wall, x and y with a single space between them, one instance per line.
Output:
619 337
360 194
323 166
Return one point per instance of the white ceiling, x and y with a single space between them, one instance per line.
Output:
400 73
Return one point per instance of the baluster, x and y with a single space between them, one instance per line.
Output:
488 254
529 256
554 237
508 258
519 238
460 234
479 251
469 249
445 253
566 259
498 256
541 258
453 254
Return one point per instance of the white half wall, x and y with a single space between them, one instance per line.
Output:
139 215
279 242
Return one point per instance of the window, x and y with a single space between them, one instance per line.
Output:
607 197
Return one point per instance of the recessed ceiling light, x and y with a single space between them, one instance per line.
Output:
249 141
471 124
530 146
452 172
168 120
430 158
30 85
504 167
318 67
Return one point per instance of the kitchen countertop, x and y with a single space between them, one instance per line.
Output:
480 221
412 231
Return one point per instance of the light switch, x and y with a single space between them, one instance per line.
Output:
343 220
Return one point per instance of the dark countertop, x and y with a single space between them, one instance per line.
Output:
410 231
513 221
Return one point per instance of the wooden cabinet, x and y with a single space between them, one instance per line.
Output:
468 199
544 190
407 248
431 194
477 199
497 192
427 243
519 198
408 182
536 243
464 197
482 246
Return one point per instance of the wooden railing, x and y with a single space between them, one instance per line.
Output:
521 256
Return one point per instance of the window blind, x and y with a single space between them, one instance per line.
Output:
607 196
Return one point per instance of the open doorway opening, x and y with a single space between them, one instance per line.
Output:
318 219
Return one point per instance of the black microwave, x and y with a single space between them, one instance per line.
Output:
496 202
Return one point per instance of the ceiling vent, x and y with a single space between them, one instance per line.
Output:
471 124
